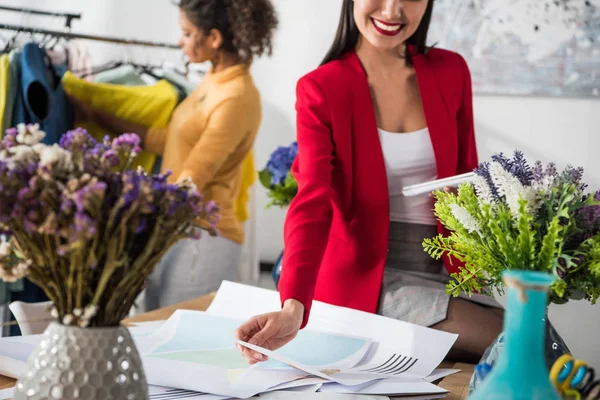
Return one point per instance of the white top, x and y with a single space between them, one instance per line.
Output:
409 160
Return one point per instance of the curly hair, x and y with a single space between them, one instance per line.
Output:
247 26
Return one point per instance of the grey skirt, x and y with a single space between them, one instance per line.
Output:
414 284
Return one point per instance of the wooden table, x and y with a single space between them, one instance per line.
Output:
457 384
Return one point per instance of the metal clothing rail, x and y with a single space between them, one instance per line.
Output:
69 16
71 35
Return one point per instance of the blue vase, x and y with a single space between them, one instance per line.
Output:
521 371
276 271
555 347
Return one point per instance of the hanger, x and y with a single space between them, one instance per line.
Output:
11 42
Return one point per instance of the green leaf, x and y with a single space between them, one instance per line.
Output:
559 287
282 195
265 177
501 228
549 246
526 238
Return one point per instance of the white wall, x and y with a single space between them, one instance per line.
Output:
546 128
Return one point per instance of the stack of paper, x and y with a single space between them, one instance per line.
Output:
342 351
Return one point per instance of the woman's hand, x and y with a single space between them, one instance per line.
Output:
86 113
447 189
271 331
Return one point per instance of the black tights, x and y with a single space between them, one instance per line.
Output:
477 327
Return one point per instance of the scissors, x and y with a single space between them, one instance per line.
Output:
574 379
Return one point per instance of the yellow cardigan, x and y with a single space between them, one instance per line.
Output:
209 137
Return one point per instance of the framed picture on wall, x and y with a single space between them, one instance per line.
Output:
524 47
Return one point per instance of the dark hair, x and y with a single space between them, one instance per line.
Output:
246 25
347 34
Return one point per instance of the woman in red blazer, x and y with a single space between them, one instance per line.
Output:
351 238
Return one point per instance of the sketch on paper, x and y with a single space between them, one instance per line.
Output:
524 47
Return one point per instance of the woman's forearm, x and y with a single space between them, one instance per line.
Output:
118 125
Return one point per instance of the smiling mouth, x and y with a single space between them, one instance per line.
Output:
387 28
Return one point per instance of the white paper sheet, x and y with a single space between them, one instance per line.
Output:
317 396
14 353
441 373
194 344
388 387
7 393
402 349
166 393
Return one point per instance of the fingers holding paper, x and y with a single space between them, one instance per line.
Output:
271 331
447 189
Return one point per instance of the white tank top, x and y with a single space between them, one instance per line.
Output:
409 160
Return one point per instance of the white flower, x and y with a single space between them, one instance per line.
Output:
21 155
54 313
39 147
67 319
5 248
77 312
15 273
29 134
484 193
54 155
545 184
89 312
189 183
465 218
512 189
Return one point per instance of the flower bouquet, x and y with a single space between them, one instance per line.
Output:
527 218
515 216
276 177
281 186
88 231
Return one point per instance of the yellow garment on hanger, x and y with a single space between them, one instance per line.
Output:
4 81
149 106
249 176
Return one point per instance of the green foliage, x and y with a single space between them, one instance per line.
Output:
491 237
280 195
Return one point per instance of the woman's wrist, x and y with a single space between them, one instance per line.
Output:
295 308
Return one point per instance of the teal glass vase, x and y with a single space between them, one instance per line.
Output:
521 371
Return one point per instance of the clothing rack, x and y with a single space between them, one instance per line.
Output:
71 35
69 16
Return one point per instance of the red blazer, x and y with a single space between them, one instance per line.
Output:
336 230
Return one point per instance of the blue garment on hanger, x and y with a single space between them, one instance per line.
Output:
41 98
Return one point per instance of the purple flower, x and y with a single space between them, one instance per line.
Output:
127 142
85 227
484 172
551 170
517 167
538 171
521 169
110 159
77 140
131 188
11 132
88 195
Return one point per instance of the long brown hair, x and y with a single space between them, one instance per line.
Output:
347 34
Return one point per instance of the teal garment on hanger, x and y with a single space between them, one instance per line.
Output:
180 80
123 75
40 96
11 94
